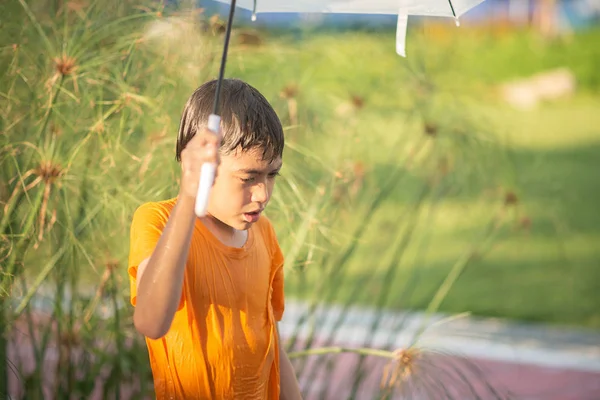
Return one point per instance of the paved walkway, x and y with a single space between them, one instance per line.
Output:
504 359
461 358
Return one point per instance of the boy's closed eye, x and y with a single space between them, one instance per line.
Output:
252 178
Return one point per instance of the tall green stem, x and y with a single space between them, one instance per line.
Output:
3 346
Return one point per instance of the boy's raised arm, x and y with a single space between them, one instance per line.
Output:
160 277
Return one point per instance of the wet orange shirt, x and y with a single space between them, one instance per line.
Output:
223 341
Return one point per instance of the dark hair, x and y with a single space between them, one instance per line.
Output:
247 119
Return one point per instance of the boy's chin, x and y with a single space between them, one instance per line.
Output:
244 225
240 222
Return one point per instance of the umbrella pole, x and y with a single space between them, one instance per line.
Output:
453 13
224 58
207 173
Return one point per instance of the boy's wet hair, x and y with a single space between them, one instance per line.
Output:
247 119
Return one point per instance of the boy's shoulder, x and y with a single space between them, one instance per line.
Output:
158 205
155 210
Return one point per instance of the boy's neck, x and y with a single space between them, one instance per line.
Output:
226 234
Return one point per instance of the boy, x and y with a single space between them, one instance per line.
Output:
208 292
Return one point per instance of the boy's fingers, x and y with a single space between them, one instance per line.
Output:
206 137
211 151
205 147
213 141
208 132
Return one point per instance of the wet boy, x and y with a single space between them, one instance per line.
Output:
208 292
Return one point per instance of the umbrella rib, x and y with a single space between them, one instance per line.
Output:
224 58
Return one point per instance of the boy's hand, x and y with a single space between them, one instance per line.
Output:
202 148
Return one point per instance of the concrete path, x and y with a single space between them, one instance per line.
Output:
500 359
458 358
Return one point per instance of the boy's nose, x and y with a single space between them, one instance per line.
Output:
260 194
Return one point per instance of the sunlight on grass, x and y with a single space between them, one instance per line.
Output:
555 126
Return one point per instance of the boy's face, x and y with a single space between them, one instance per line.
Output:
243 187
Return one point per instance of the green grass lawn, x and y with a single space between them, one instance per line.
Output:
549 272
542 265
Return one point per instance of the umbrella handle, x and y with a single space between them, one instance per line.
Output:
207 173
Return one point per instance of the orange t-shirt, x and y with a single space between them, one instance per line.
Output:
223 342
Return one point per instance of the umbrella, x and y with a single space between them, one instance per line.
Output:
402 8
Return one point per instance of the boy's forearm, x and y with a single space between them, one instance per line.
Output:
159 287
289 387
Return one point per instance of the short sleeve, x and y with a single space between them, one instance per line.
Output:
147 225
278 297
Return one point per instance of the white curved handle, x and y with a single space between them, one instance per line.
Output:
207 174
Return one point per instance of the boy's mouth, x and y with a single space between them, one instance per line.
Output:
252 216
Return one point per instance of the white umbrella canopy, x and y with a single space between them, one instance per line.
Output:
441 8
402 8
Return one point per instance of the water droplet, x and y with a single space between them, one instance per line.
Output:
456 21
253 17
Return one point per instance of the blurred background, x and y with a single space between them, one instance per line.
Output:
438 213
